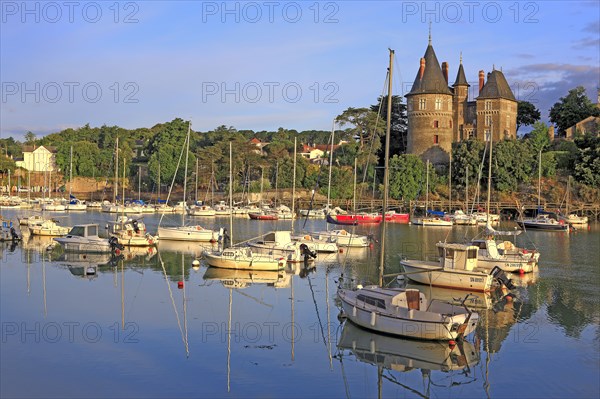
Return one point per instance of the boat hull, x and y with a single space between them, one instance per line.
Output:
243 262
405 322
187 233
431 273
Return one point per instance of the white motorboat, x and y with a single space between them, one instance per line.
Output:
76 205
433 222
188 233
47 227
84 238
406 313
506 256
543 222
243 258
281 243
132 232
325 245
576 219
457 268
201 210
462 219
343 238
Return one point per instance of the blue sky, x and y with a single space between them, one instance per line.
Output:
265 65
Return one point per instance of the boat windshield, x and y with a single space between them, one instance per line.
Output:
77 231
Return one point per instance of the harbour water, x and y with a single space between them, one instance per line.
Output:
128 330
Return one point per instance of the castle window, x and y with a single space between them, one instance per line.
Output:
422 103
488 104
487 135
436 139
488 120
409 103
436 124
507 120
438 104
450 123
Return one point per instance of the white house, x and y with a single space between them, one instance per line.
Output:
38 159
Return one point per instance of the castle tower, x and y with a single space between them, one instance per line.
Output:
496 109
430 119
459 103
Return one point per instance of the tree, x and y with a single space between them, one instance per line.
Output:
538 138
587 166
399 124
365 125
30 138
407 176
512 162
571 109
527 114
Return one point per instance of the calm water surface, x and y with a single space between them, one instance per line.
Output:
129 331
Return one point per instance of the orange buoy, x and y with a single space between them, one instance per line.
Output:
341 250
521 272
180 284
452 343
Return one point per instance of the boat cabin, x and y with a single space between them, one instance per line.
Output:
457 256
276 238
84 230
410 299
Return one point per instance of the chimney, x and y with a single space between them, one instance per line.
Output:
422 68
445 70
481 80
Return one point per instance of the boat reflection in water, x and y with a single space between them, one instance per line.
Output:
232 278
86 265
405 355
185 247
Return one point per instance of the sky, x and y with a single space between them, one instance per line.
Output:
269 64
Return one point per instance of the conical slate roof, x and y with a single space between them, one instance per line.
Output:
433 81
496 87
460 77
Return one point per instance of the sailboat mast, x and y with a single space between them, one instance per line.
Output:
139 182
385 169
354 189
489 187
196 180
427 188
230 193
187 151
116 171
539 179
71 174
450 184
294 184
467 190
330 162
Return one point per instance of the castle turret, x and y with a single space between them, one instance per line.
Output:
430 122
459 102
496 109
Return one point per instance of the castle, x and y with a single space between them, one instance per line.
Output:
439 115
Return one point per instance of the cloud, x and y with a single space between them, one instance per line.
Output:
544 84
592 27
587 42
525 55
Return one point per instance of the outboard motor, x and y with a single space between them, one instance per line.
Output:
501 277
226 239
307 253
136 227
114 244
14 235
